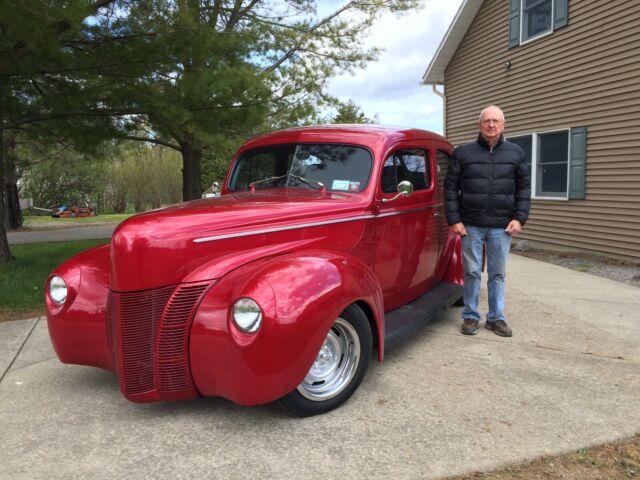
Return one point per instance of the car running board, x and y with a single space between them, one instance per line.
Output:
406 320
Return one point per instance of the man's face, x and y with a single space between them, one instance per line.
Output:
492 125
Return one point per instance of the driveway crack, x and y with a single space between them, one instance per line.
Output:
598 355
24 342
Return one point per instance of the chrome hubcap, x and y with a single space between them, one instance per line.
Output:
335 365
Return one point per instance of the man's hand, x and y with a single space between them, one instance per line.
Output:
458 229
514 227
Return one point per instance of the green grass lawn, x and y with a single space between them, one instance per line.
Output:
30 221
22 281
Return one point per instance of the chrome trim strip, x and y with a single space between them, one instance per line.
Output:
310 224
412 210
281 229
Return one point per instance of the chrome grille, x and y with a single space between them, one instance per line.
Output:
139 314
148 335
173 339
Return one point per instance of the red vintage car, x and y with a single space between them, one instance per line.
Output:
327 243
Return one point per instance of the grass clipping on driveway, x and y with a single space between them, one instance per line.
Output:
612 461
22 280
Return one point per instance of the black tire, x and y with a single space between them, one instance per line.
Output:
334 378
459 302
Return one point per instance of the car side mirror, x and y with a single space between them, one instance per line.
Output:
405 188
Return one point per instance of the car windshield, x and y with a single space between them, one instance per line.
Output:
338 168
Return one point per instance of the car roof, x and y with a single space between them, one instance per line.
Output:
365 134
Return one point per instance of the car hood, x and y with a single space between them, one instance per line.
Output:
162 247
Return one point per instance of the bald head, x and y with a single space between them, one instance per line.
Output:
491 124
492 110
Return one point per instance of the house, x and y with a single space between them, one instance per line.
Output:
567 75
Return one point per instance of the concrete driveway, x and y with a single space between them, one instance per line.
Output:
440 405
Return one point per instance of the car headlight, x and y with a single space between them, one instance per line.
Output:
247 315
58 290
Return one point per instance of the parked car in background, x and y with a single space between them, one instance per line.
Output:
326 244
63 211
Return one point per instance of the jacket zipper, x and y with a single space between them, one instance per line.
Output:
490 183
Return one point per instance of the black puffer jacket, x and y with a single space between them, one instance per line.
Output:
485 187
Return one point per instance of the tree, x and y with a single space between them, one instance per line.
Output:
187 74
36 80
63 176
144 176
349 112
222 69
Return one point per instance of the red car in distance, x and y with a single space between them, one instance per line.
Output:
326 244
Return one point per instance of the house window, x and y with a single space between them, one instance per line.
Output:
526 143
532 19
536 18
547 156
552 164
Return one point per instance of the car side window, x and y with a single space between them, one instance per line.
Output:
406 164
442 161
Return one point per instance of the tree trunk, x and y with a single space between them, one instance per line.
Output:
191 170
14 214
5 252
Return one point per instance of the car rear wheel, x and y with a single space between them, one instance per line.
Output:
338 368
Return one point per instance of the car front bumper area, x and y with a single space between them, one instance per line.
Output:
77 327
148 338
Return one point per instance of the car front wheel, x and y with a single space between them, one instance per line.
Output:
338 368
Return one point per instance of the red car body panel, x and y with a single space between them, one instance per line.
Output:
252 369
77 328
303 254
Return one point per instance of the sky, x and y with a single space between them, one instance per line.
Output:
389 88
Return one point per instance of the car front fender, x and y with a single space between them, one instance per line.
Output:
77 328
454 272
300 294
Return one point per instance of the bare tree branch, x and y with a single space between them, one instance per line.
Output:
314 28
238 13
153 140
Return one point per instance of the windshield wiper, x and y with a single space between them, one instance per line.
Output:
313 183
252 185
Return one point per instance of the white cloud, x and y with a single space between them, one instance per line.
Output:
390 86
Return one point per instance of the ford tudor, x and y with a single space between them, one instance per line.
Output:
327 243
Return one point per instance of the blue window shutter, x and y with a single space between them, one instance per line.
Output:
578 163
514 23
560 13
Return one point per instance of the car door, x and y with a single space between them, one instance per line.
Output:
407 227
443 152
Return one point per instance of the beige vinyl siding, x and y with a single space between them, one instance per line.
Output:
584 75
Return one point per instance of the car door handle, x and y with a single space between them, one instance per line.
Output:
437 214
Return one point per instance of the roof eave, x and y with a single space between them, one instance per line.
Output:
434 75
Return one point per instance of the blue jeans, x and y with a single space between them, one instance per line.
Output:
498 243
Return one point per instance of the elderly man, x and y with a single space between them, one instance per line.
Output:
487 199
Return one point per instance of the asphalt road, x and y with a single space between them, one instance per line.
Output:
441 404
43 235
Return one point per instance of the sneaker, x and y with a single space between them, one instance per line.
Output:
469 326
499 327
